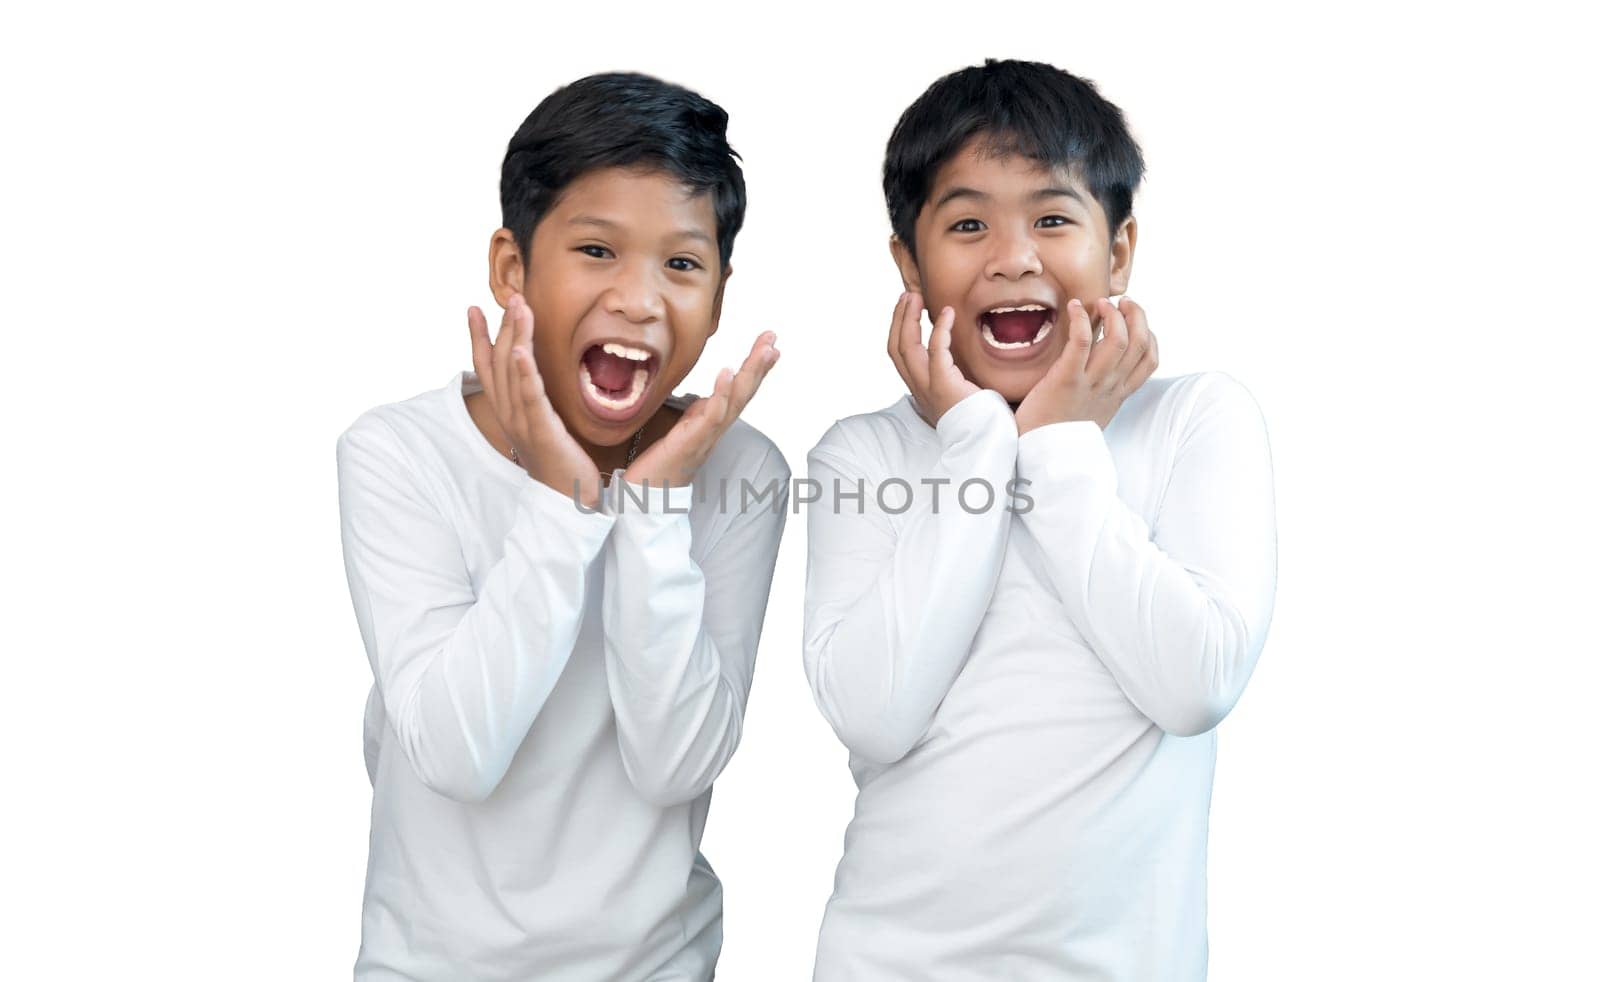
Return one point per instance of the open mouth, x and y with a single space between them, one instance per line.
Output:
1015 329
613 378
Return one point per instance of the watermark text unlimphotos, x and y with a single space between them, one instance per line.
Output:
895 496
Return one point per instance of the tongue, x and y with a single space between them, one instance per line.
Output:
609 371
1016 325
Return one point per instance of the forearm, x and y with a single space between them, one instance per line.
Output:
462 670
891 615
1180 628
681 641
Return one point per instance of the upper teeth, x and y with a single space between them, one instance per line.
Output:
623 351
1007 310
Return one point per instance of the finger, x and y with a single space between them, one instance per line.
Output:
894 329
1152 356
716 404
895 324
763 355
1141 372
1141 341
524 341
1138 373
530 388
523 371
939 358
504 341
1105 366
534 399
1080 341
482 350
912 353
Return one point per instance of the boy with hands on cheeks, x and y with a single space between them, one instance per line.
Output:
550 455
1030 694
1084 382
559 674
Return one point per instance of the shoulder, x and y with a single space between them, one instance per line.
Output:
880 435
1211 387
1214 396
1180 404
370 432
1201 416
403 426
745 451
398 442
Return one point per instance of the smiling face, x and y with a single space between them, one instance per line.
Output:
1007 243
625 283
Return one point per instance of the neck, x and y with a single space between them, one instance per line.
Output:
607 459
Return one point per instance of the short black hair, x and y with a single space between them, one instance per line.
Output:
620 119
1018 107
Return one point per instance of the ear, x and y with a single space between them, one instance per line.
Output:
506 266
910 276
716 303
1122 255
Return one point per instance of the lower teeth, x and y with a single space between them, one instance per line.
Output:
641 377
989 337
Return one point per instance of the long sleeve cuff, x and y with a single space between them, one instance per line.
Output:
680 637
981 415
557 515
1074 453
1178 616
893 604
646 506
657 588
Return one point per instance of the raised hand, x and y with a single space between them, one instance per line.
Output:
929 372
511 380
1090 379
673 460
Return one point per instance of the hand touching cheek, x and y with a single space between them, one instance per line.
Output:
929 372
543 446
1091 379
674 459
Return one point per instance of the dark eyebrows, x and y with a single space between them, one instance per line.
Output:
696 234
610 226
957 193
1059 193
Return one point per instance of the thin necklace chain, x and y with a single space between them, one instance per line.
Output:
633 450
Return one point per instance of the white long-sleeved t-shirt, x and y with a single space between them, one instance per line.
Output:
1029 691
554 693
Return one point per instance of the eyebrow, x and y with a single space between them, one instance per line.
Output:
610 226
962 192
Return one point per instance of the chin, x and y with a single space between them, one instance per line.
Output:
611 434
1012 386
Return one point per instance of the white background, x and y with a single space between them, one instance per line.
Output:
228 232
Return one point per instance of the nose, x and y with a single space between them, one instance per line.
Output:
1013 257
635 294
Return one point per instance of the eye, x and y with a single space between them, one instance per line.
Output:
967 225
683 264
1053 221
597 251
